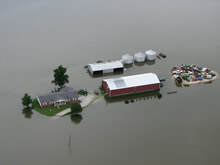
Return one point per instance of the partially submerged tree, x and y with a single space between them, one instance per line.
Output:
76 108
26 100
76 119
27 113
60 78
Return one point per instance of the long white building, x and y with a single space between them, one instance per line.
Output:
106 67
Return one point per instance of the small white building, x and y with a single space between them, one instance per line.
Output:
150 55
106 67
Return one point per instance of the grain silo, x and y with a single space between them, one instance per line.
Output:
139 57
150 55
128 59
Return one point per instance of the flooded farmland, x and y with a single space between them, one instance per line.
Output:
37 36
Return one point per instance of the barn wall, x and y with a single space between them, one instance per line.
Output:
122 91
108 71
90 69
105 86
134 89
147 87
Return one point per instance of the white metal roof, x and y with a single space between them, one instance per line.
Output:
132 81
106 65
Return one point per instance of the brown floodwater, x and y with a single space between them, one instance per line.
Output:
37 36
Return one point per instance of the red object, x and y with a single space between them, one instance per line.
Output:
130 90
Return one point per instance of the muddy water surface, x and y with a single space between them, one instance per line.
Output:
37 36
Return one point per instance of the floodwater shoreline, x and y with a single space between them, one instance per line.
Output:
85 102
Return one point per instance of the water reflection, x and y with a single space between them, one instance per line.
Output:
179 85
139 63
210 82
27 113
135 97
150 62
128 65
76 119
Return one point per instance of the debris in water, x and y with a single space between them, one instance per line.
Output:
171 92
162 55
162 79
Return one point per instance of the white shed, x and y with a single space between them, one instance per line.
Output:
106 67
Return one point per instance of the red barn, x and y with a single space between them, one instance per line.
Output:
131 84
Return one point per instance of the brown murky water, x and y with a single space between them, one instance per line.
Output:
37 36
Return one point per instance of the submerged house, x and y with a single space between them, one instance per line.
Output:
131 84
65 96
106 67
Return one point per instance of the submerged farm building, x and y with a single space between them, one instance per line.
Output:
107 67
65 96
131 84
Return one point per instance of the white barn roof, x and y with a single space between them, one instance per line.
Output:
106 65
132 81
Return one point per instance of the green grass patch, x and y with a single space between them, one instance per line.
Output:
102 90
49 111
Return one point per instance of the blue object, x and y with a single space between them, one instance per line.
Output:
199 78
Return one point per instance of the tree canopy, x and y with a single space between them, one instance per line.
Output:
26 100
76 118
76 108
60 78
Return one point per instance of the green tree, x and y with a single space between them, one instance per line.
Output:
76 118
76 108
26 100
60 78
